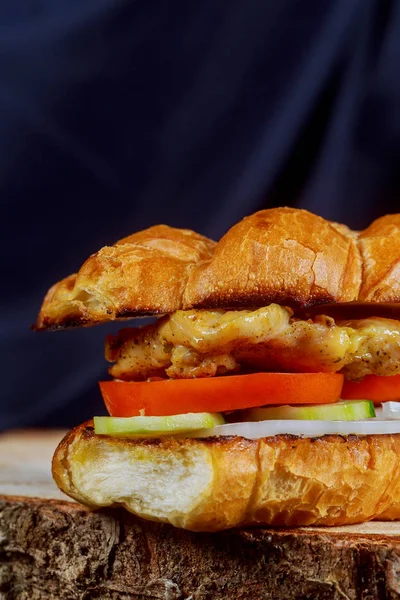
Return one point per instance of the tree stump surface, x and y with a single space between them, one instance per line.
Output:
56 549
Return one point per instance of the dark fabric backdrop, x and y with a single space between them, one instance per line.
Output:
118 114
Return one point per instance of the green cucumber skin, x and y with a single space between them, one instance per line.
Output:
340 411
155 426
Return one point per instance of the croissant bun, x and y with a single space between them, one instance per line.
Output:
282 255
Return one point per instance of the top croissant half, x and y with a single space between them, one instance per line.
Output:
284 255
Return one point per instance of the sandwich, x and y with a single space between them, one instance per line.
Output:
260 394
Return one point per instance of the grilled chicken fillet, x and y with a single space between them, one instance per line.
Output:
204 343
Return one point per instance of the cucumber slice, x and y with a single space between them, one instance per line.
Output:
155 426
340 411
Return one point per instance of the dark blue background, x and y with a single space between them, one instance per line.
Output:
118 114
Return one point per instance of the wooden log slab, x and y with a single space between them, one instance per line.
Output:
55 549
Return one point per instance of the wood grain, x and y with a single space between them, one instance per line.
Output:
25 463
50 549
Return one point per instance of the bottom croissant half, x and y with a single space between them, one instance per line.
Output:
218 483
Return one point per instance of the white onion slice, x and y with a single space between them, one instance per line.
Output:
255 430
391 410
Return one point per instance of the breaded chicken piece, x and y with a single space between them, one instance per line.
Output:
202 343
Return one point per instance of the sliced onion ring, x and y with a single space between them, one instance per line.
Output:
391 410
262 429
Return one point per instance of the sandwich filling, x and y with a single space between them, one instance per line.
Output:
206 343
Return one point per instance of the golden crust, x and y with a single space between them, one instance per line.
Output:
283 255
392 513
142 274
218 483
380 250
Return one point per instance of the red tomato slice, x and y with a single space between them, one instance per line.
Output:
373 387
219 394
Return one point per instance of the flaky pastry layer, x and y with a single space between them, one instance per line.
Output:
142 274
